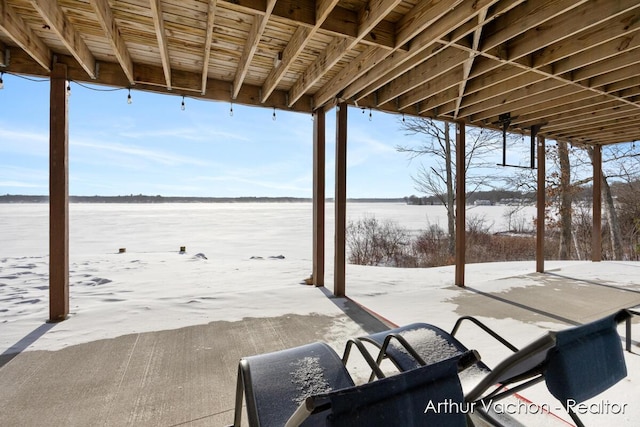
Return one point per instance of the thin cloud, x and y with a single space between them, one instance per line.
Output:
25 142
154 155
191 134
21 184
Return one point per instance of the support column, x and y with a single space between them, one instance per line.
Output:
339 266
58 196
540 203
596 244
461 200
319 162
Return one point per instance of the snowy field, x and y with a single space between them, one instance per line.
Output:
241 260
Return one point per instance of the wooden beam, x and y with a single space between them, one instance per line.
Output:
374 12
607 37
297 43
158 23
57 20
151 78
338 22
461 200
432 23
109 26
13 26
447 60
339 274
565 26
541 204
211 15
319 164
466 68
426 44
526 17
3 56
596 233
251 44
430 89
58 196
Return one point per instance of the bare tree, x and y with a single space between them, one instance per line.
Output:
438 179
621 162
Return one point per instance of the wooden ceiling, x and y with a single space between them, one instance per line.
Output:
570 66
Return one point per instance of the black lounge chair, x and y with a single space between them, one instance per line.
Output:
576 364
411 346
427 396
275 384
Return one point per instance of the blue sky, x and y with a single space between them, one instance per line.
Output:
153 147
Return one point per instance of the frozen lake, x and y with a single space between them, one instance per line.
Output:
217 229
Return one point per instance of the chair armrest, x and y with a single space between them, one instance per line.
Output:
375 368
485 328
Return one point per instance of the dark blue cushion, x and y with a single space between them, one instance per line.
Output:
427 396
587 360
277 383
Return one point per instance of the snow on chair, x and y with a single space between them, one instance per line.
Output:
427 396
275 384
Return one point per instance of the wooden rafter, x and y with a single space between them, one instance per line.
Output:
211 15
259 24
297 43
438 25
368 18
444 82
528 16
13 26
447 60
545 14
158 23
610 36
59 23
564 27
418 20
468 64
109 26
333 20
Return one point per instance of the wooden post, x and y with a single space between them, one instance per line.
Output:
596 245
339 266
541 200
319 162
58 196
460 204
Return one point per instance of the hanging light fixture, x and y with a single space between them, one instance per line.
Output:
182 106
1 81
129 100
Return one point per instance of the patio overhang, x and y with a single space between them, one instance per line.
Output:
564 69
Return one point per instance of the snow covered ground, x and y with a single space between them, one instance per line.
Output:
244 260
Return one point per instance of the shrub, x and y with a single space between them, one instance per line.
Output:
372 242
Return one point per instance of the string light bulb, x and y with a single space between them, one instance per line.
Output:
129 100
403 118
370 115
1 81
273 117
231 110
182 106
68 88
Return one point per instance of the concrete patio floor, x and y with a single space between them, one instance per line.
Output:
187 376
